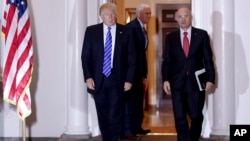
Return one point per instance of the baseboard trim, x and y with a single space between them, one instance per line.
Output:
27 139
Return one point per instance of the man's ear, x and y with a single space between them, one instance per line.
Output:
175 16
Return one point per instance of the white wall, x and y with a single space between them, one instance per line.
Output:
242 51
48 87
242 62
48 83
49 79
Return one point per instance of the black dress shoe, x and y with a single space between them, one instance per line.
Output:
131 137
143 132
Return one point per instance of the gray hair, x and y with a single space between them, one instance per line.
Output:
140 8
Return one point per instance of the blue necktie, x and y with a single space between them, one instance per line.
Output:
107 54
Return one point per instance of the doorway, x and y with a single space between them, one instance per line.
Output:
165 23
160 118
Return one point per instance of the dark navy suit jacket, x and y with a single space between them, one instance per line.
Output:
140 46
175 65
123 60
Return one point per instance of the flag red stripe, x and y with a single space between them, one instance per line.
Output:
8 72
26 101
18 56
25 80
24 54
9 19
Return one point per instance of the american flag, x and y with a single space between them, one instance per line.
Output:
17 56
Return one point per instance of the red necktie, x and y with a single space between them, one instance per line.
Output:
185 44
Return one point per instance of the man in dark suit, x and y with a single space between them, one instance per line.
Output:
180 61
134 105
108 62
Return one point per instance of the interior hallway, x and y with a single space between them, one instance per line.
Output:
161 119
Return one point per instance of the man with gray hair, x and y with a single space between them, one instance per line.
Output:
187 51
133 110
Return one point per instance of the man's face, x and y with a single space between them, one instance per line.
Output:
108 17
145 15
184 18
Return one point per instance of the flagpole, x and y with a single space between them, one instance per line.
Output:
24 130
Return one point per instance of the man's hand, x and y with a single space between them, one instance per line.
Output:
145 84
144 80
209 87
127 86
90 84
166 87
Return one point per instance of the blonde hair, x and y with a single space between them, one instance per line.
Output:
107 6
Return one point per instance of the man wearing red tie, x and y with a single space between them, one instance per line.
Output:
187 50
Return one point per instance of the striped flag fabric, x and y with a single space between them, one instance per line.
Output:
17 56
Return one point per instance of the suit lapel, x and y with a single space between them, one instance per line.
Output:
193 38
100 37
118 36
178 41
138 25
141 32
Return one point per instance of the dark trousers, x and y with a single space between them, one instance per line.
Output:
138 103
133 109
127 114
109 106
188 103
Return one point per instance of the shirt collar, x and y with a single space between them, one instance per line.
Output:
188 31
105 27
142 25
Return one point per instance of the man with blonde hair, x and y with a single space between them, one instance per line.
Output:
108 62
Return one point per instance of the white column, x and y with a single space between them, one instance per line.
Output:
93 18
223 44
201 11
1 38
77 97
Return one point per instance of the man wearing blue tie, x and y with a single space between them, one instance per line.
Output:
108 62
